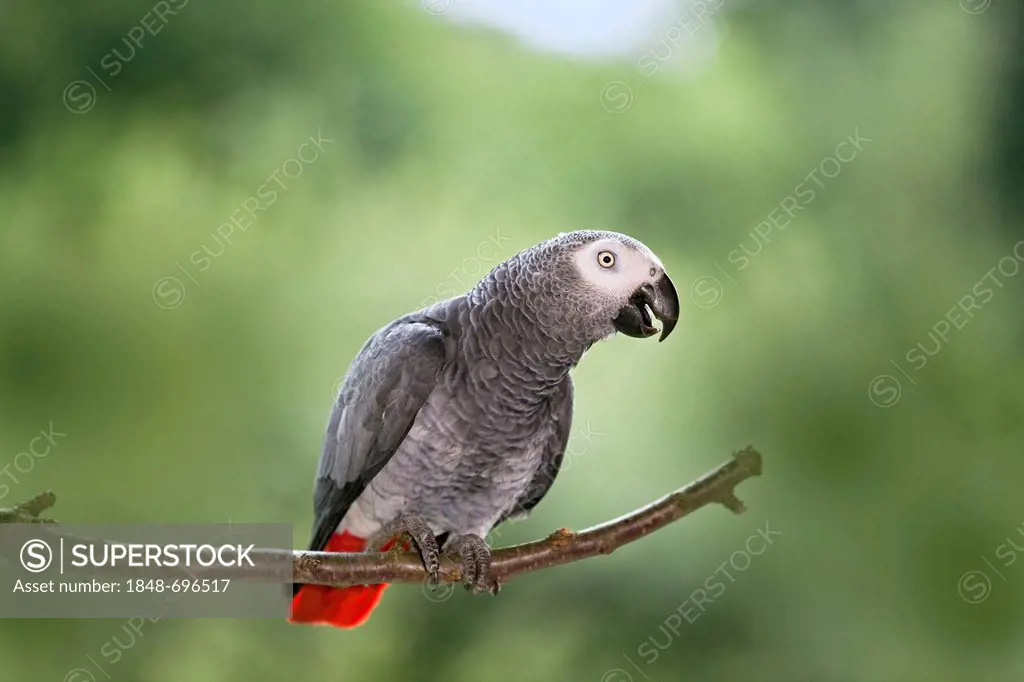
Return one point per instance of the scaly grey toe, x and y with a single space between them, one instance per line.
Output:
422 536
476 562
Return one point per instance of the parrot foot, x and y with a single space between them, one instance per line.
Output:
422 536
476 562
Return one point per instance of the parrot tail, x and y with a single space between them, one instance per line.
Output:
343 607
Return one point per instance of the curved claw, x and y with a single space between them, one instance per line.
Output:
476 562
422 537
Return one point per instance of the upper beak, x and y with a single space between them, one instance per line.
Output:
662 300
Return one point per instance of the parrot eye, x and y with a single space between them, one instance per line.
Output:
606 259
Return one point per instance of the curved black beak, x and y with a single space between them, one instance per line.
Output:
660 300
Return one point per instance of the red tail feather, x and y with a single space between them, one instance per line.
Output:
345 607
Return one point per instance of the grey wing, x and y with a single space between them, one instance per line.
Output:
387 384
554 450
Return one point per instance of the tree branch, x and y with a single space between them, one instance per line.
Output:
561 547
28 512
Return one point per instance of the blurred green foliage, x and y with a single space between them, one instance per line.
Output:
204 398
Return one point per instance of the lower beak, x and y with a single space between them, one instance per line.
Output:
658 299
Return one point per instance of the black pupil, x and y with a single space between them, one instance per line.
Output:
606 259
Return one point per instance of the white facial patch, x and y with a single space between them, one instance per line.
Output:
617 267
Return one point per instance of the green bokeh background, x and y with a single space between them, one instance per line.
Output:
453 147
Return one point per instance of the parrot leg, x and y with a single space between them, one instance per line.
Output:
422 536
476 562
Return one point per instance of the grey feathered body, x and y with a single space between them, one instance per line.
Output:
467 461
458 413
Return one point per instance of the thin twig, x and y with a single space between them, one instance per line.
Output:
28 512
561 547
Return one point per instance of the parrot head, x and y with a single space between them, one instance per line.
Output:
626 284
587 285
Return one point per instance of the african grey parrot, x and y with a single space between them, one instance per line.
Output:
455 418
